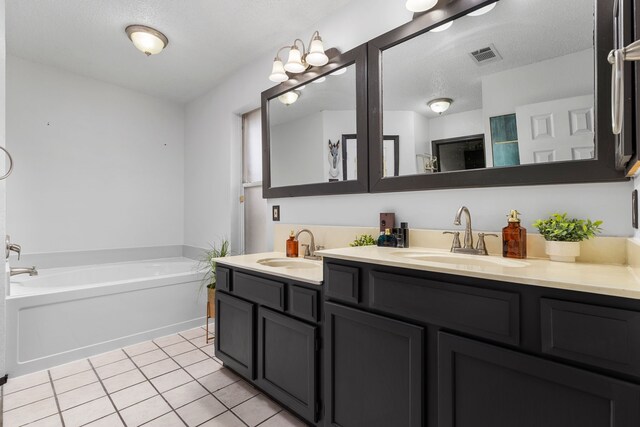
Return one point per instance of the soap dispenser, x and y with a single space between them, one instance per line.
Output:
514 238
292 246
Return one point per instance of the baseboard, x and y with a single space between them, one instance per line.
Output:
3 380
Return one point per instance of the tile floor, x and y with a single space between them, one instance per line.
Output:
171 381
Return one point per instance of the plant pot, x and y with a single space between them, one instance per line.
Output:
562 251
211 302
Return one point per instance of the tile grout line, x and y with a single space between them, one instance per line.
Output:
157 391
107 393
210 392
55 396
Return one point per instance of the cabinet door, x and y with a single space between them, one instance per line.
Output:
480 385
287 361
373 370
235 333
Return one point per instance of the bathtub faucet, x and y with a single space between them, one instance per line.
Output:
23 270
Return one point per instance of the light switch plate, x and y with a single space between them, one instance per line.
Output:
275 212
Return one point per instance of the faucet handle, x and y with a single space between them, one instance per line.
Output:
481 244
9 247
319 248
456 239
306 249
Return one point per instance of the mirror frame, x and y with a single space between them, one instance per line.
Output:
600 169
357 56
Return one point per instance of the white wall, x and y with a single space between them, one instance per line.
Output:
211 140
297 153
97 166
456 125
556 78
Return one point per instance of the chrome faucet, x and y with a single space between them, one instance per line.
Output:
467 246
23 270
310 249
468 233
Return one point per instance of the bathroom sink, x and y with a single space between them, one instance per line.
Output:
460 259
293 263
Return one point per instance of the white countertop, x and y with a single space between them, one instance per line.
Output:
613 280
250 262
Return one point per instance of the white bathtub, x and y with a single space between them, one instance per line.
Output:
64 314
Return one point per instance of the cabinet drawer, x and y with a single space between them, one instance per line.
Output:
263 291
482 312
342 283
600 336
303 303
223 278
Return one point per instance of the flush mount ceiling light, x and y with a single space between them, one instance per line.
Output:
483 10
440 105
290 97
442 27
420 5
146 39
299 60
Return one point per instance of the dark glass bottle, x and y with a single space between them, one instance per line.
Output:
514 238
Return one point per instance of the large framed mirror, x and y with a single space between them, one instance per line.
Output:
486 93
314 130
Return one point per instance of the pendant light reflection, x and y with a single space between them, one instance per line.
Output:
439 105
442 27
290 97
420 5
339 71
483 10
320 80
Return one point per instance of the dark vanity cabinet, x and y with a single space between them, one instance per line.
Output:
267 331
415 348
374 370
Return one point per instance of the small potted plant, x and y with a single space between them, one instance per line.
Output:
563 235
208 264
363 240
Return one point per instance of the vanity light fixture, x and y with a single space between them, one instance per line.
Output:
299 60
483 10
420 5
146 39
440 105
290 97
442 27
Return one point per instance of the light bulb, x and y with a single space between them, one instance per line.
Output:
278 74
146 39
316 56
420 5
290 97
442 27
294 63
440 105
483 10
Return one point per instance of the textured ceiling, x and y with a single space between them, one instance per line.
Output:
208 39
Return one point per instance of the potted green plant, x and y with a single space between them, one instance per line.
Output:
208 264
363 240
563 235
